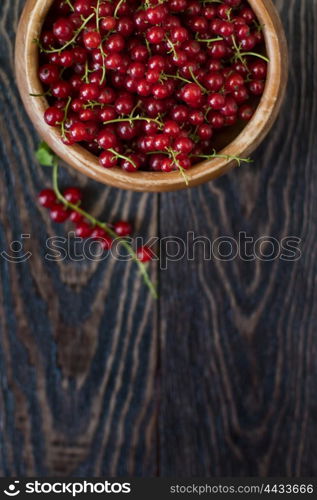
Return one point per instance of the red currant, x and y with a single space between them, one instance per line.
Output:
123 228
47 198
145 254
73 195
59 213
53 116
83 230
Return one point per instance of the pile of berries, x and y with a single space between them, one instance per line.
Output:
70 210
150 85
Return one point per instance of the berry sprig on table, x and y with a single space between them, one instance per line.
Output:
66 205
150 85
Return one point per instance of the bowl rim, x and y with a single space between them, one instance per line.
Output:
26 63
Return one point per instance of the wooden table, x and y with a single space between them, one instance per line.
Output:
218 377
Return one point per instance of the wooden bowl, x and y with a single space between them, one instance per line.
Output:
235 142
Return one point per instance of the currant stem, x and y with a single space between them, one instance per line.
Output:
158 152
92 104
148 46
197 82
206 112
134 110
70 5
229 15
47 93
180 168
70 42
177 77
63 134
171 153
119 155
133 119
226 157
171 45
255 54
86 74
103 225
117 9
209 40
97 15
240 55
103 55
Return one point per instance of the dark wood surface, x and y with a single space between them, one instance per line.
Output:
217 378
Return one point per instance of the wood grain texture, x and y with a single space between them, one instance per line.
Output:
78 339
216 379
240 337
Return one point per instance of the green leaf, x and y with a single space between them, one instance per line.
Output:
45 155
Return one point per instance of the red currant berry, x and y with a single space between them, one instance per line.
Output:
156 15
107 159
144 88
108 23
171 128
125 26
214 81
53 116
246 112
49 74
66 58
183 145
124 104
123 228
47 198
107 139
179 34
102 237
248 43
78 132
61 89
115 43
83 7
107 96
204 131
230 108
191 93
216 101
63 30
155 34
234 82
258 70
73 195
257 87
59 213
75 217
144 254
132 164
92 39
89 91
83 230
167 165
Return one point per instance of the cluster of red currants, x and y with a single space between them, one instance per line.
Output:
147 85
61 212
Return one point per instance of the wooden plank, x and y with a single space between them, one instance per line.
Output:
238 364
78 339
